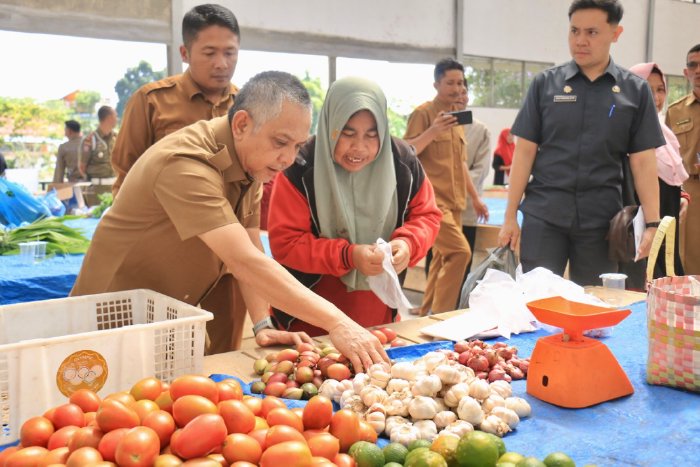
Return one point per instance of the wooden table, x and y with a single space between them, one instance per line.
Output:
240 362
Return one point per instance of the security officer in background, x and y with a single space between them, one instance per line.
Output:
683 117
96 148
578 121
67 157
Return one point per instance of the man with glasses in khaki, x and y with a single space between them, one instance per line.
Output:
683 117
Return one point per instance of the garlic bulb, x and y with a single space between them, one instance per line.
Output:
331 389
440 404
479 389
379 374
444 418
422 408
494 425
519 405
466 374
377 408
426 429
455 394
381 366
360 381
405 434
470 411
345 396
404 370
428 385
376 420
353 403
491 402
393 422
397 385
502 388
432 359
448 374
459 428
397 403
373 394
507 415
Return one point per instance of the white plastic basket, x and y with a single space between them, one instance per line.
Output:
104 342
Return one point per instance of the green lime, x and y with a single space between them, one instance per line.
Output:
505 464
446 446
393 464
419 443
512 457
366 454
499 444
559 459
422 457
477 449
395 452
531 462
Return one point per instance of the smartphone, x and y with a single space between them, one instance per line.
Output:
464 117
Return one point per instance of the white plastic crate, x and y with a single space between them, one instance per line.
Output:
105 342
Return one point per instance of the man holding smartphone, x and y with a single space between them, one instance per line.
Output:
441 147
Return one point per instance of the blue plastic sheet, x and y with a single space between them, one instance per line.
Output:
18 206
656 426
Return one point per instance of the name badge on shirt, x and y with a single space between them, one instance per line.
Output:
564 98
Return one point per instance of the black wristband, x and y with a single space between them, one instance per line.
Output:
649 225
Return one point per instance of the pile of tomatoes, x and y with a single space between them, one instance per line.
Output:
193 421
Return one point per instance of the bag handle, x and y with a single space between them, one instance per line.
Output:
666 229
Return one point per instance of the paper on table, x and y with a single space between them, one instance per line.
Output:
639 226
464 326
386 285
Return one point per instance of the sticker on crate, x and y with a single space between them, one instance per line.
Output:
84 369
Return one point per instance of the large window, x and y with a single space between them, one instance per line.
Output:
501 83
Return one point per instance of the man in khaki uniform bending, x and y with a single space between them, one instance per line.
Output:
179 221
683 117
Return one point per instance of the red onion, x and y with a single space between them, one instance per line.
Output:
491 356
482 375
478 363
505 352
497 374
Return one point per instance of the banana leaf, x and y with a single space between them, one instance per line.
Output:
60 238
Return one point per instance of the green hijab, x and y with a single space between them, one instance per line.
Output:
362 206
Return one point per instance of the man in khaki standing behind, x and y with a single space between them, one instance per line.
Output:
683 117
441 147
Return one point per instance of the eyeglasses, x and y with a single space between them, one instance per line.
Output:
692 65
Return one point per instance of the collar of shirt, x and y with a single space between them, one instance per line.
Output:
226 159
571 69
192 89
439 106
691 99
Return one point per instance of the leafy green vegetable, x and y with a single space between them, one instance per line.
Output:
106 200
59 238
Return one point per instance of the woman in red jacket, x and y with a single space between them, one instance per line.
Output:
352 184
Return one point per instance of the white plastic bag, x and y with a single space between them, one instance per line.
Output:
386 285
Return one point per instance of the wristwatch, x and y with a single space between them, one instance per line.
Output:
265 323
649 225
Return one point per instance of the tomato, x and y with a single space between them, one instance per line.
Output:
188 407
317 413
144 407
167 460
90 419
308 434
260 424
284 416
345 425
165 401
113 414
200 436
124 397
36 432
202 462
269 403
237 416
324 445
288 454
243 464
6 453
338 371
57 456
194 385
321 462
229 389
367 433
344 460
139 447
108 443
148 388
298 411
87 436
61 437
219 458
281 433
67 415
260 436
86 399
254 404
389 333
380 335
84 456
26 456
241 447
305 347
162 423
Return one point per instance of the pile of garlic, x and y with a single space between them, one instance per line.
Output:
430 396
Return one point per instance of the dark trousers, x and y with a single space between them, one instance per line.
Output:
546 245
469 232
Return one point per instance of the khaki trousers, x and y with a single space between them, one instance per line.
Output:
225 331
690 230
451 254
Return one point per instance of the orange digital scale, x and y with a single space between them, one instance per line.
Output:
569 369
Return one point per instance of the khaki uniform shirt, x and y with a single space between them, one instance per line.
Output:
683 118
190 183
444 159
67 161
158 109
95 153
